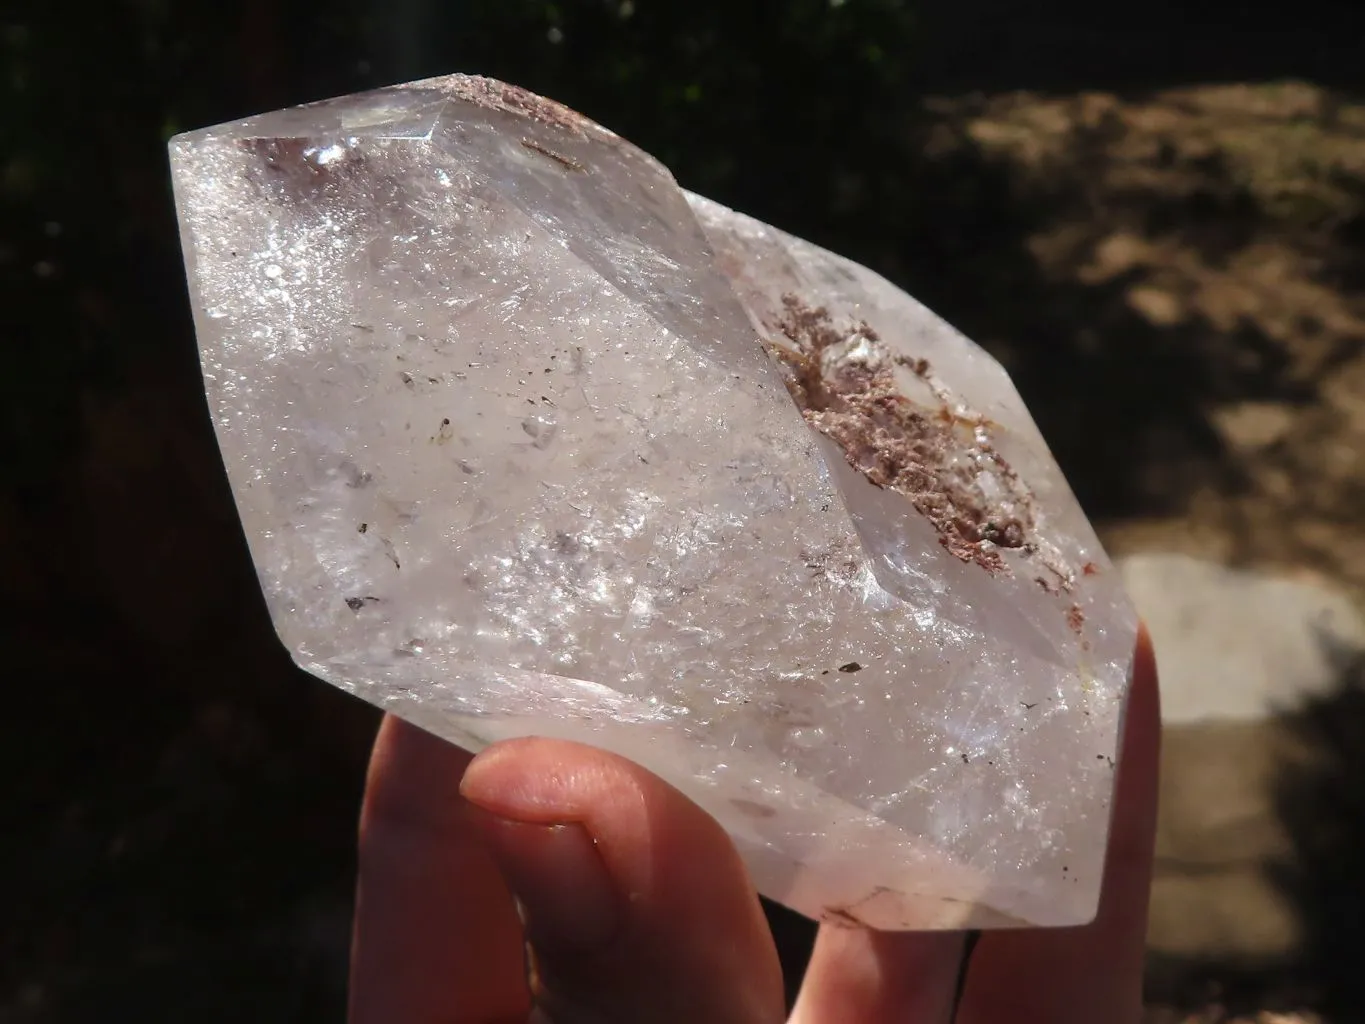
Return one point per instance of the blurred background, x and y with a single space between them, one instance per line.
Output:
1155 218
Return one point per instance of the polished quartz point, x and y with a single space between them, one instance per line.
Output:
526 440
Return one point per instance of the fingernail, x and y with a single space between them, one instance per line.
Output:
560 879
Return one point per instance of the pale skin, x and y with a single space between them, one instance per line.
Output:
638 908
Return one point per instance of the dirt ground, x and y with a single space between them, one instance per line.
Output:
1176 280
1224 228
1216 233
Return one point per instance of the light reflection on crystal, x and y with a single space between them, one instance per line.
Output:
511 459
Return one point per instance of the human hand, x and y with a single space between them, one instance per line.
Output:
638 908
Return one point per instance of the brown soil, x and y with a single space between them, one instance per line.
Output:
1192 342
1219 229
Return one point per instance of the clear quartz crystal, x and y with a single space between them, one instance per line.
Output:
528 441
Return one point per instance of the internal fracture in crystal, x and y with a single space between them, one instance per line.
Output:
527 440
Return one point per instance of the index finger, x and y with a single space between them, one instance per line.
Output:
437 937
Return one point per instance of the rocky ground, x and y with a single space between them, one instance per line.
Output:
1177 281
1222 229
1213 237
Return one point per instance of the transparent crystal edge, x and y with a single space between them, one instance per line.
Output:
179 145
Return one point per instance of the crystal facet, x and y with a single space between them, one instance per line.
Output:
528 441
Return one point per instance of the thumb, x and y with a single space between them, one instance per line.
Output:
636 904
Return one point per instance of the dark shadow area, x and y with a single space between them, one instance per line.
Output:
1065 45
1217 989
1321 800
179 824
